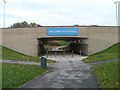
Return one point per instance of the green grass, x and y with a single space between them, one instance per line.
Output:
59 43
63 43
15 75
110 53
107 74
0 51
0 75
50 46
63 48
13 55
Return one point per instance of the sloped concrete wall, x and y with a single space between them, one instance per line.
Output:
23 40
101 38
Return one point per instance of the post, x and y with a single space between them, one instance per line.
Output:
47 54
55 53
63 53
116 11
4 13
72 53
80 52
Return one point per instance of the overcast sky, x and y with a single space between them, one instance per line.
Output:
59 12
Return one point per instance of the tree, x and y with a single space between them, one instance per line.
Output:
34 25
24 24
16 25
76 25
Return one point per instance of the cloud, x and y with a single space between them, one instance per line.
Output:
59 12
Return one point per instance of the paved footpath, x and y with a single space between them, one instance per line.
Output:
65 74
23 62
101 62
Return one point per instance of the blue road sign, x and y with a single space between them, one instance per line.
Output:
63 31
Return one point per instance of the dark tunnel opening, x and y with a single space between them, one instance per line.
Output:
75 45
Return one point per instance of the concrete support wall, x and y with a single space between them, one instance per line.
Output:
101 38
24 40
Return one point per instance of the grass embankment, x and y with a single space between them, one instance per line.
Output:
15 75
63 43
0 75
55 44
110 53
50 46
13 55
107 73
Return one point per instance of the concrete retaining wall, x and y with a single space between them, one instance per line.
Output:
24 40
101 38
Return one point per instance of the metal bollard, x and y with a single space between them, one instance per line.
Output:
72 53
47 54
55 54
63 53
43 61
80 52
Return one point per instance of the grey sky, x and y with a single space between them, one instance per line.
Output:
59 12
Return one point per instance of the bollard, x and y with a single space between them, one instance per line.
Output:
72 53
64 53
47 54
43 61
55 53
80 52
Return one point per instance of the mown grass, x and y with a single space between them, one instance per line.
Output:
13 55
15 75
0 75
107 74
50 46
58 44
63 43
110 53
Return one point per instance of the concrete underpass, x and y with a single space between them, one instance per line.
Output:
76 46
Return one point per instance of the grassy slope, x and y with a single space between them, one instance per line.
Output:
110 53
15 75
107 74
13 55
0 76
60 43
63 43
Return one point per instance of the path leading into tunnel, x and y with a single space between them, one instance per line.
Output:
65 74
65 57
60 55
57 48
68 72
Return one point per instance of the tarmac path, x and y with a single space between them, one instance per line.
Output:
65 74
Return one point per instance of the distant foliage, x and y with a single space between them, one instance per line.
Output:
86 25
76 25
24 24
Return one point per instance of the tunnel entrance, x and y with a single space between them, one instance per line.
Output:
78 45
